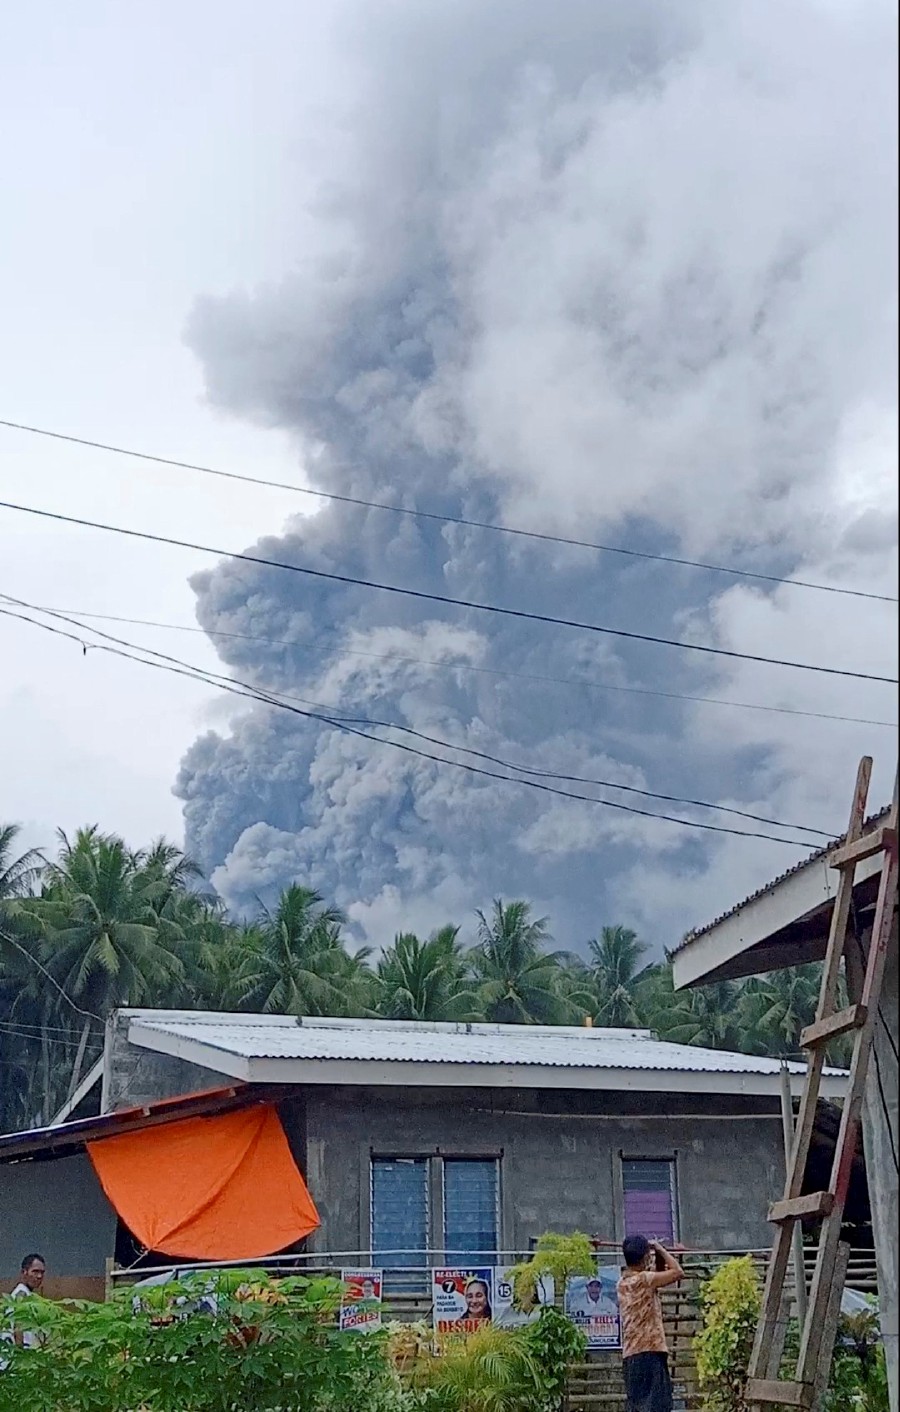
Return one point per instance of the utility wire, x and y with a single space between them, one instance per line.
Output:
423 596
277 698
39 1028
444 518
196 674
458 666
88 1014
42 1038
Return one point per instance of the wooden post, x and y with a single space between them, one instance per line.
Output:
829 1332
787 1119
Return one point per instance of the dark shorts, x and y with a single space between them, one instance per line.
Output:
648 1386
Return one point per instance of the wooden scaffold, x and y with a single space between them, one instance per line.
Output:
819 1326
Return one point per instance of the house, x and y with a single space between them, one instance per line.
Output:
786 923
421 1143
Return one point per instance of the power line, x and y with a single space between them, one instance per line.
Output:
444 518
87 1014
42 1038
38 1028
196 674
264 694
423 596
457 666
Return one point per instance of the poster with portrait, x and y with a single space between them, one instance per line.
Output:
461 1301
505 1314
593 1306
360 1301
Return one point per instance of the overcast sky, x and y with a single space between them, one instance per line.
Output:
149 155
620 274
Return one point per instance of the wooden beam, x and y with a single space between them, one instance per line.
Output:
780 1394
849 854
798 1208
830 1328
766 1330
851 1112
841 1022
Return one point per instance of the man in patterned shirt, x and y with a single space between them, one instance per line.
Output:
645 1352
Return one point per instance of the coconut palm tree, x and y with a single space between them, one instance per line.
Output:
17 872
709 1016
425 980
101 939
778 1006
519 982
614 972
294 961
20 1046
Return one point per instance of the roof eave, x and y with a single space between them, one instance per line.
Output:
74 1136
784 925
418 1073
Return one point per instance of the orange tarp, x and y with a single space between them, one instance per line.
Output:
219 1188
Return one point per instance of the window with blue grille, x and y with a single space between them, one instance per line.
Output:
649 1198
471 1210
399 1211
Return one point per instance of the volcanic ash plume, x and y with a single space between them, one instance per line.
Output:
615 272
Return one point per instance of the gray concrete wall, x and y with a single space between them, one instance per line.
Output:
58 1208
559 1171
132 1076
560 1152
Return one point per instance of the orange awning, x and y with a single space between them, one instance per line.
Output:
219 1188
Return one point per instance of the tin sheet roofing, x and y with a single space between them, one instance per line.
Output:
563 1047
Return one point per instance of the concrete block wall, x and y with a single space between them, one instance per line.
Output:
559 1171
133 1076
59 1209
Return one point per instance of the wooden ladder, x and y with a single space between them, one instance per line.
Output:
819 1330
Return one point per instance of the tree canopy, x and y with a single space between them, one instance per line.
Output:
99 925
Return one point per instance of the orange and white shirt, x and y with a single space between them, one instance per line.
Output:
640 1308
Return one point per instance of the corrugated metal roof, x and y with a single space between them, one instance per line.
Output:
815 857
407 1042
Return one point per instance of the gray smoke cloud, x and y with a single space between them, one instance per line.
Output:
612 271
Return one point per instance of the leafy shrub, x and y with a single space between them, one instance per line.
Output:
492 1370
858 1376
262 1346
557 1256
230 1340
730 1304
554 1344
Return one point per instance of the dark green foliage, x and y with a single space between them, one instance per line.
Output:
100 925
266 1346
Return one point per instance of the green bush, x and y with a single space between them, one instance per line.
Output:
493 1370
234 1341
557 1256
266 1345
858 1376
730 1304
554 1344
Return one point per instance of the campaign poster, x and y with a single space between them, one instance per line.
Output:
360 1301
505 1314
593 1306
461 1301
